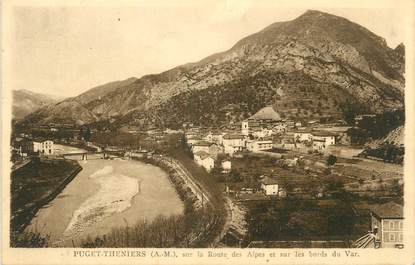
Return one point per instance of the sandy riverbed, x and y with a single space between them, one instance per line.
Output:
106 194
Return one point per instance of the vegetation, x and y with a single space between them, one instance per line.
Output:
331 160
28 240
387 152
299 220
238 99
34 184
377 127
85 133
162 232
117 138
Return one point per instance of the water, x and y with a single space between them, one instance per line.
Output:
106 194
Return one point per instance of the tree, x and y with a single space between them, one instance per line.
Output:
234 176
87 134
335 184
331 160
349 115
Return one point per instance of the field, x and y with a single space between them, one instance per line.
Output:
291 220
35 184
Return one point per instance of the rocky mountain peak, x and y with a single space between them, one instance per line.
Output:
308 67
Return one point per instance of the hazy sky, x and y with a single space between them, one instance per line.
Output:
67 50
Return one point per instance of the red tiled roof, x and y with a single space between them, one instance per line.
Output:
233 136
203 155
269 181
202 143
322 133
267 113
388 210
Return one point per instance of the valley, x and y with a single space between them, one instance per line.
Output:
291 138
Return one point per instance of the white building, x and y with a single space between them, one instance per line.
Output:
42 146
205 160
269 186
265 117
245 128
323 139
262 132
201 146
255 146
387 225
280 128
214 137
302 136
233 143
226 165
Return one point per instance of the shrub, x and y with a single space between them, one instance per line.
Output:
331 160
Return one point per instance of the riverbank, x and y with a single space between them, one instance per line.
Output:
35 185
209 217
190 229
107 195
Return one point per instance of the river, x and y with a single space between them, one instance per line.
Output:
106 194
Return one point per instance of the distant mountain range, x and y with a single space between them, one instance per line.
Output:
26 102
315 65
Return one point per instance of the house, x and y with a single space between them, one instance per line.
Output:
359 118
205 160
214 150
233 143
255 146
214 137
201 146
298 124
192 134
45 147
269 186
323 139
287 141
262 132
303 136
280 128
192 140
226 166
265 116
387 224
41 146
290 124
313 122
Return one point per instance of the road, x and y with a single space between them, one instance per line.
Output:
221 221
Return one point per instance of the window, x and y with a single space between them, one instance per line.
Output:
401 225
391 226
396 225
392 237
386 237
385 225
400 237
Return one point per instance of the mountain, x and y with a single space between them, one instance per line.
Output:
315 65
26 102
76 109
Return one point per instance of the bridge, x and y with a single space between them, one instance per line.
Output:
84 154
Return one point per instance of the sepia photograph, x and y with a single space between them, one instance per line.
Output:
208 125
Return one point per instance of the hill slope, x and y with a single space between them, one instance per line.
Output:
315 65
26 102
75 110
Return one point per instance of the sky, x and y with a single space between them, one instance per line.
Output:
66 50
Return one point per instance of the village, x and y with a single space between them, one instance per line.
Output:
266 162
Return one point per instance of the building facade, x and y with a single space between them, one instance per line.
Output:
255 146
205 160
387 225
